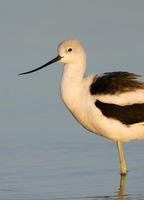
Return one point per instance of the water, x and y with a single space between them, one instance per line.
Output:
60 167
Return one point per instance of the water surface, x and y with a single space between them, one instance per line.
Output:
82 167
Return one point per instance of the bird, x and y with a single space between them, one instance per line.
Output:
110 105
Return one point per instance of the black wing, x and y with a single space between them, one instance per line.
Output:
115 82
129 114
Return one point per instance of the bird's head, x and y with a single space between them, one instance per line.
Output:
69 51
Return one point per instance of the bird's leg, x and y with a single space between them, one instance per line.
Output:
123 167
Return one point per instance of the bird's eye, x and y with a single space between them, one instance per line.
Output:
70 49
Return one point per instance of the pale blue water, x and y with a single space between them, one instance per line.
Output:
68 167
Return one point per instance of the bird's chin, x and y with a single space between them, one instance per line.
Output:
61 60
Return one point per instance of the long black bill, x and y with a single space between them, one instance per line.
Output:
49 63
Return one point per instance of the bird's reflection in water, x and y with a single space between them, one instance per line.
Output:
120 193
122 188
118 196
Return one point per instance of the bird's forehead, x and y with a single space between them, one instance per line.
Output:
69 43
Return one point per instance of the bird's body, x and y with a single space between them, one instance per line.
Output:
110 105
85 108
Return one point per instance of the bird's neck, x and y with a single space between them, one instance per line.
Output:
71 83
74 71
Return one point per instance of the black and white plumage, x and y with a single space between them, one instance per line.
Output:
111 105
116 83
128 114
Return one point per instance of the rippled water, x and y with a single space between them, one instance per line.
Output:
83 167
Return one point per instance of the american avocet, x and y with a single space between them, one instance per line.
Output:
109 105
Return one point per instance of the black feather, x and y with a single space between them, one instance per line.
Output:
129 114
115 82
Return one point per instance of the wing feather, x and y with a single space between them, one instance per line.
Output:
115 83
129 114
